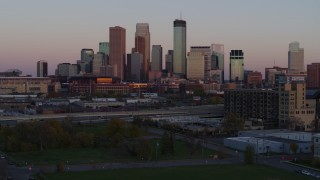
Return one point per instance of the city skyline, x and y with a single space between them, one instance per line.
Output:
263 30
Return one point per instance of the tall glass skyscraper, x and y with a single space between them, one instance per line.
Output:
295 58
104 47
236 66
142 45
169 59
156 64
86 60
179 47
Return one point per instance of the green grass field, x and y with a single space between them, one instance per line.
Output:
95 129
98 155
238 172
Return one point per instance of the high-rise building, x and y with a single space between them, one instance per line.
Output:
179 47
270 74
98 62
295 58
67 69
217 58
156 63
42 68
313 76
117 46
236 66
134 68
86 60
294 108
104 48
195 61
195 65
142 45
169 61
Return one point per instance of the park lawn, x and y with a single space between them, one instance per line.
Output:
182 150
70 155
99 155
238 171
94 129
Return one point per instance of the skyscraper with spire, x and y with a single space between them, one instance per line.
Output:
179 47
142 45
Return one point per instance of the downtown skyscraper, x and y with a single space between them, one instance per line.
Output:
295 58
179 47
117 47
156 64
42 68
236 66
142 45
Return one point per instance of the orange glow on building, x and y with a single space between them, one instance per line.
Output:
104 80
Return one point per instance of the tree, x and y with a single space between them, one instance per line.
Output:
249 155
133 131
83 139
115 132
167 144
232 123
294 147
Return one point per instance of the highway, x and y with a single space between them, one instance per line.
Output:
101 116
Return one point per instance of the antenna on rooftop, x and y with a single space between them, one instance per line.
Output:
274 62
180 15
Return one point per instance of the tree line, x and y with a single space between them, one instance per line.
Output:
117 134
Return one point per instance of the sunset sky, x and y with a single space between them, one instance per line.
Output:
56 31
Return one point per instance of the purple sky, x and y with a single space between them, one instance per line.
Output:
56 31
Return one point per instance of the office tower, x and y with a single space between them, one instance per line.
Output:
169 61
270 74
236 66
86 60
117 46
67 69
195 65
217 58
179 47
42 68
104 47
156 63
198 63
142 45
294 108
313 76
98 62
134 68
295 58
